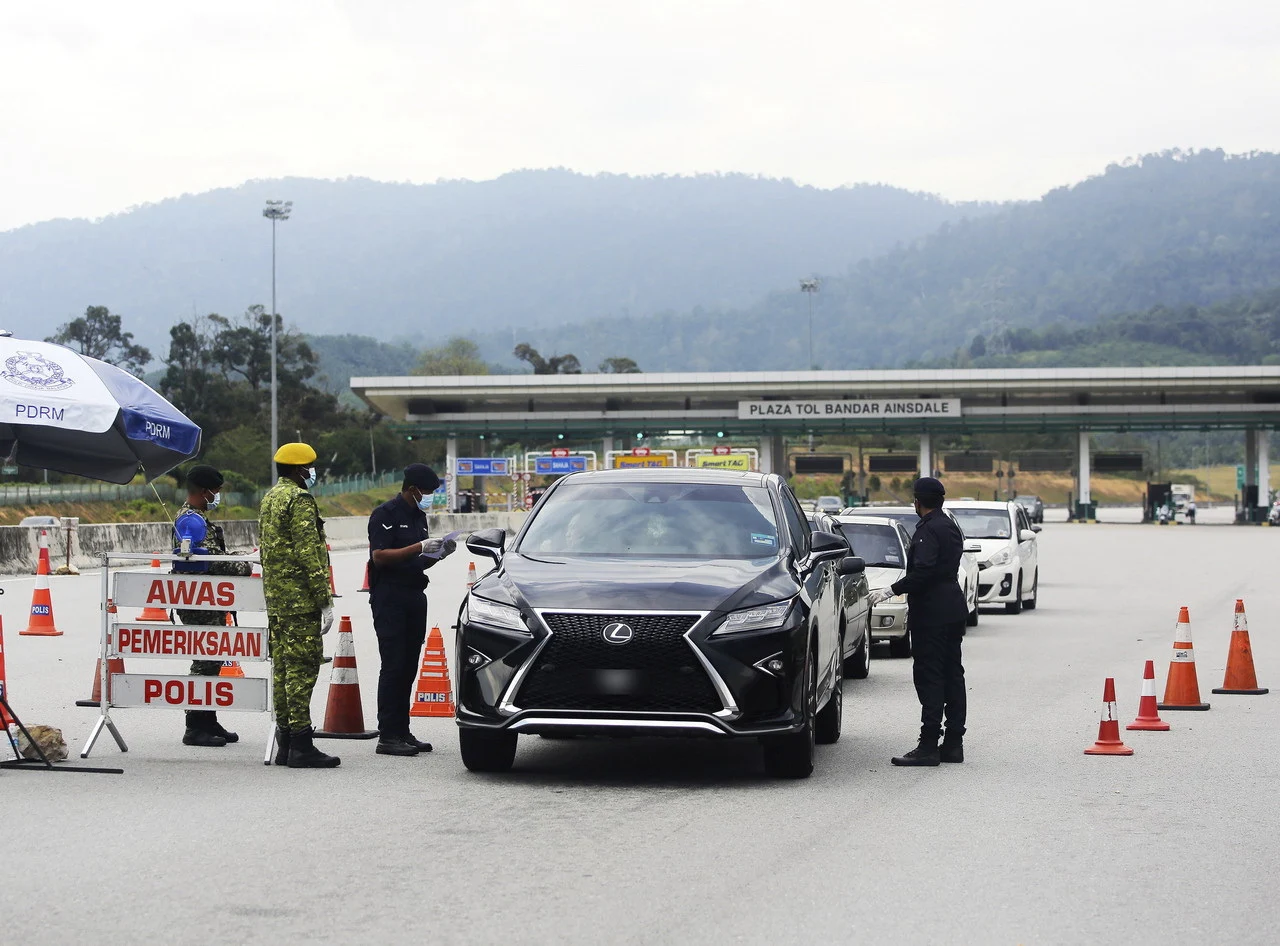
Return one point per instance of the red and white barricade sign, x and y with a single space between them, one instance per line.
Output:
126 590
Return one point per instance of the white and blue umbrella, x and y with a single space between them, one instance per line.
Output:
60 410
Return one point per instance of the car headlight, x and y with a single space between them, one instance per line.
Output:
1003 557
483 611
756 619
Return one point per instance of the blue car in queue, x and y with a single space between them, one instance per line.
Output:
693 603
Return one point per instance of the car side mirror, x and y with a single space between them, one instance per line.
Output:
1026 535
825 545
1036 528
490 543
973 546
851 565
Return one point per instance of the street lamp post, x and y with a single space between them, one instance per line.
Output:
275 211
809 287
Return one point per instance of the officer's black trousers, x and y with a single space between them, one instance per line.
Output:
939 678
400 621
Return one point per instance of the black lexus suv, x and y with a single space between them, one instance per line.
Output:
656 602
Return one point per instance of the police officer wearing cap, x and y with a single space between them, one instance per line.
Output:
400 552
936 613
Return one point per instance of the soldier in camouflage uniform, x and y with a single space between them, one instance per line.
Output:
206 538
295 579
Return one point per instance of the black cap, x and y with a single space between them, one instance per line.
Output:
928 488
421 476
204 477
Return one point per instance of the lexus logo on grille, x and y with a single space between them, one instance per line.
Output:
618 633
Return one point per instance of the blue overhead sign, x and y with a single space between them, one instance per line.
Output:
549 466
482 466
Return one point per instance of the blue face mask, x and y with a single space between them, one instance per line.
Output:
212 504
310 479
424 502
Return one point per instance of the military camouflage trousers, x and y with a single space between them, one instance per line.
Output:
296 653
204 668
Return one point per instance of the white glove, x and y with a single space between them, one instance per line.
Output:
879 597
431 546
326 620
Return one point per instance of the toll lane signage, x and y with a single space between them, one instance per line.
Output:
189 592
861 408
652 460
197 642
724 461
553 465
482 466
235 694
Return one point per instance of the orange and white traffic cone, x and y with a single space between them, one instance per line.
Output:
151 613
1148 718
1109 728
43 554
231 668
471 574
1240 677
114 665
343 712
365 586
5 719
434 695
1182 688
41 622
333 589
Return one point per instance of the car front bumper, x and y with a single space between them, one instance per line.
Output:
998 585
888 621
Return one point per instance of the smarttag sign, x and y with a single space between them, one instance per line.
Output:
482 466
862 408
552 466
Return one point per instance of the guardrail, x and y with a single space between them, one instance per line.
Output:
31 494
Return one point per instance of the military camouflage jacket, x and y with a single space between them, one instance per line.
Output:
212 541
295 564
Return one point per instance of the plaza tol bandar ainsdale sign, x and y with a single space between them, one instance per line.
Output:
864 408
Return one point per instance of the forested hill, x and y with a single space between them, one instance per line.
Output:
1174 229
530 249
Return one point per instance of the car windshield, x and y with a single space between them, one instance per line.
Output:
878 546
909 519
984 523
650 520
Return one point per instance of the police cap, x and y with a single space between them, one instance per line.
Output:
295 454
929 489
204 477
421 476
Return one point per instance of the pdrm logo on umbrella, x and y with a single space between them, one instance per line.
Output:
31 370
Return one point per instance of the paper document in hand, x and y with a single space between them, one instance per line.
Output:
451 537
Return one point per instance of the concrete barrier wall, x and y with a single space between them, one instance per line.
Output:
19 545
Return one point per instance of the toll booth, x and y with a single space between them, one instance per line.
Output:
1157 493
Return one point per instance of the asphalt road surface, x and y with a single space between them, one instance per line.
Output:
665 841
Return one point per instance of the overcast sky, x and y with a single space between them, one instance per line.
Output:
108 105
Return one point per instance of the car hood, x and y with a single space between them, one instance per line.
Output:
635 585
878 577
989 547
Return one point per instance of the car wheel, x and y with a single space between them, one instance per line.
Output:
858 666
972 619
1015 606
484 751
791 756
830 717
1035 592
900 646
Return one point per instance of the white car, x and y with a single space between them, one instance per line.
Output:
882 544
1009 560
967 575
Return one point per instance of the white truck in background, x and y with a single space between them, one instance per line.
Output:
1182 494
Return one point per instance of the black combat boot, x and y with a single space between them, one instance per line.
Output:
217 729
926 753
952 749
198 732
417 743
304 755
282 746
395 745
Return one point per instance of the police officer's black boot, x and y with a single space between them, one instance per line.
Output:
282 746
952 748
926 753
217 729
198 732
304 755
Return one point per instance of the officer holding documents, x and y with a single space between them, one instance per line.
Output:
936 613
295 581
196 533
400 552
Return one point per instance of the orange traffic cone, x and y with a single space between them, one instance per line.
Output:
343 713
471 574
41 623
150 613
231 668
43 555
114 665
1109 728
5 719
1148 718
365 586
434 696
333 589
1182 689
1240 678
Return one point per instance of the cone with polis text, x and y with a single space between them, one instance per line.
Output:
343 711
434 694
150 612
1108 742
1240 678
1182 688
41 623
1148 718
231 668
5 719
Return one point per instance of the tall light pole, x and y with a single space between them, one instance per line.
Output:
275 211
809 287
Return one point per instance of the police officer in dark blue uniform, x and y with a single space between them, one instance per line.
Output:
936 613
399 554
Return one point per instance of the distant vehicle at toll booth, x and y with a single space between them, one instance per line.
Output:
656 602
1009 558
831 505
1034 506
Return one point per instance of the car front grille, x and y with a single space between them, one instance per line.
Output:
655 671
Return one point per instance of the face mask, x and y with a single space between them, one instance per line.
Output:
310 479
212 504
424 501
